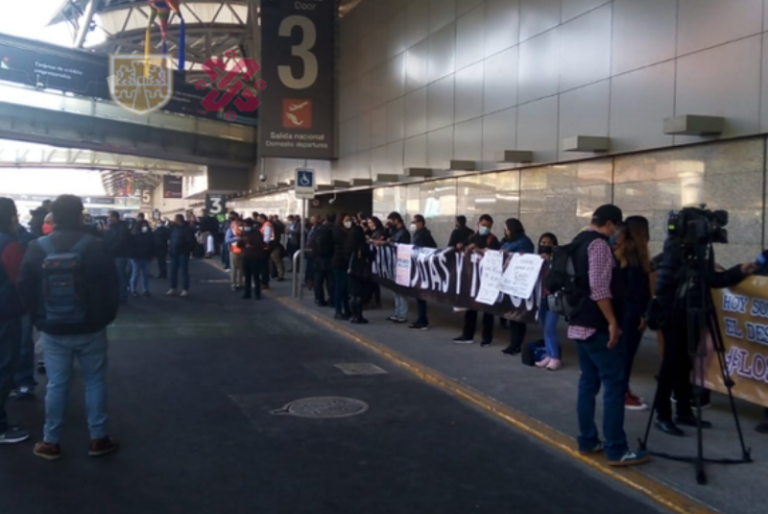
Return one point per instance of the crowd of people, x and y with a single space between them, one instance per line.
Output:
44 270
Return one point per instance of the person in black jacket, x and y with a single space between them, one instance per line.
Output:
182 243
86 340
421 237
160 237
38 218
142 251
460 234
322 252
340 268
254 258
117 242
669 309
359 270
482 240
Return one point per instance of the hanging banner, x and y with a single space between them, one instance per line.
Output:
742 313
455 278
172 187
215 205
296 117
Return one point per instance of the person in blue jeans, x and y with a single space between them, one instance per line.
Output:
24 379
549 319
595 328
70 336
181 246
142 251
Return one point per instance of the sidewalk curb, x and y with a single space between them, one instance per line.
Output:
659 492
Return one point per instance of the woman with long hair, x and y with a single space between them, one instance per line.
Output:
376 233
515 241
633 256
549 319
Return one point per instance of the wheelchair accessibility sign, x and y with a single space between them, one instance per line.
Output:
304 186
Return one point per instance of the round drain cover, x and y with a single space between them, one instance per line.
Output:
324 407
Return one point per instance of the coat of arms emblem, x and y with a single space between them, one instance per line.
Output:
140 84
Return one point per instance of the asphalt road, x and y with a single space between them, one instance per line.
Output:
193 388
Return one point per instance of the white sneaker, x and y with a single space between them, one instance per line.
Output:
171 292
184 294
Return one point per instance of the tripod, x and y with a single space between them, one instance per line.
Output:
700 317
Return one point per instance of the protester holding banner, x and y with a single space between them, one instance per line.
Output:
359 271
460 234
482 240
399 236
421 237
376 233
515 241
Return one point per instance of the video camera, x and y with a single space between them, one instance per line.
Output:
698 226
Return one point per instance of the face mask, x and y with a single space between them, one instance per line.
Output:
145 229
348 224
545 249
247 229
484 231
413 227
612 240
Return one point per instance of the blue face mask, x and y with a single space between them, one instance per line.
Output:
612 240
484 231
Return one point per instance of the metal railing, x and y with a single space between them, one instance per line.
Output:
297 288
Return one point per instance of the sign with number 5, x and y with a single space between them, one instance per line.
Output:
296 117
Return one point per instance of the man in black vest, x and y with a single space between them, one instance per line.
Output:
596 331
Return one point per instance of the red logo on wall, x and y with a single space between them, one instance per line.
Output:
297 113
227 88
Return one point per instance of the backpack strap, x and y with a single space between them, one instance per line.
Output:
47 245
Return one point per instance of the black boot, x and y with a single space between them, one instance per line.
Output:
357 311
512 349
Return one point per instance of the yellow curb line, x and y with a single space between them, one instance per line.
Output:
661 493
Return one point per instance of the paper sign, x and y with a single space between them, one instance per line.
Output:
403 269
490 277
521 275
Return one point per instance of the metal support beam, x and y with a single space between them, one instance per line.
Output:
86 23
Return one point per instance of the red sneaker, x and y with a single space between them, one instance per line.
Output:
632 402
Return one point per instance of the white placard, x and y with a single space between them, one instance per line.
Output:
521 275
403 268
491 269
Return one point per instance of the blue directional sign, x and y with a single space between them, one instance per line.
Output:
304 186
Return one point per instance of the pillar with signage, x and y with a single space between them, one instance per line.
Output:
304 188
296 117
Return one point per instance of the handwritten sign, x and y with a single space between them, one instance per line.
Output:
491 268
521 275
403 267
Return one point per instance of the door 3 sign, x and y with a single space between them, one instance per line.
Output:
296 117
215 205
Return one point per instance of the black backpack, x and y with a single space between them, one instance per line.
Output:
565 297
64 292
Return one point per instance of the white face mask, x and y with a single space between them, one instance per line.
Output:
248 229
145 229
348 224
413 227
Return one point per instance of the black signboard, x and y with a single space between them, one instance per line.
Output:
86 74
172 187
215 205
296 118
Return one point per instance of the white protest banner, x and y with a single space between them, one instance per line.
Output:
403 268
521 275
491 267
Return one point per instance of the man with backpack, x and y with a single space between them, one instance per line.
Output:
483 239
586 290
69 284
11 312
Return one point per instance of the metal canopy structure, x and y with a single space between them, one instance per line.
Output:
226 29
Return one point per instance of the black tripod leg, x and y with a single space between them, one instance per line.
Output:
644 441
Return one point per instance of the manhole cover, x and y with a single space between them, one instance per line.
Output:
360 368
324 407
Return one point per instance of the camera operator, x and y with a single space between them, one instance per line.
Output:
669 309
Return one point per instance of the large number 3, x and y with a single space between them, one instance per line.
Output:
216 207
302 51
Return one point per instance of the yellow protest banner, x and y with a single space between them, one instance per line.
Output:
742 313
